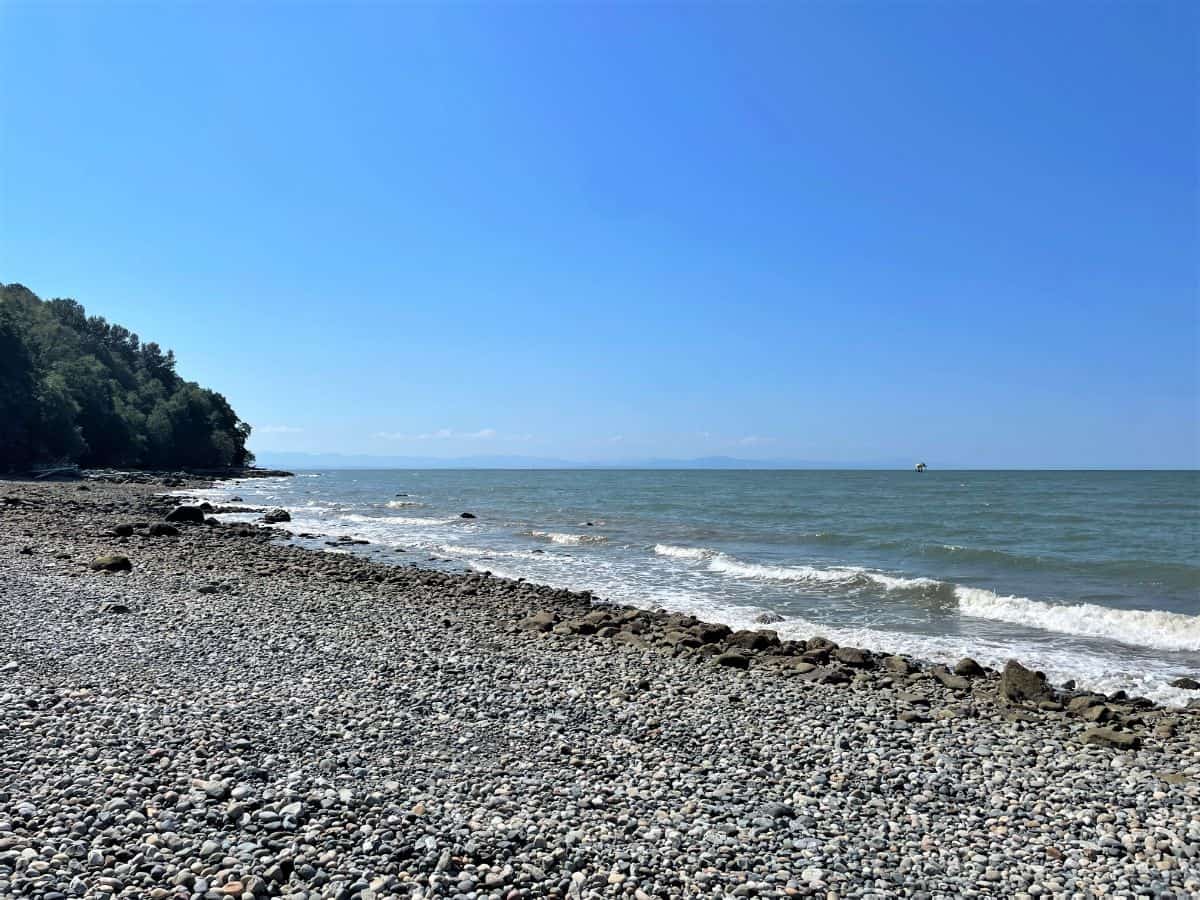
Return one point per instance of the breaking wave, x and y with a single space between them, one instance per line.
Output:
1145 628
559 537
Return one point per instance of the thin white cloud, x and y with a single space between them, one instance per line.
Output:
278 429
444 434
751 440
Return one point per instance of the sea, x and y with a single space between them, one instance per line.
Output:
1092 576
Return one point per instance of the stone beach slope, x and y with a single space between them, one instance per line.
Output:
210 714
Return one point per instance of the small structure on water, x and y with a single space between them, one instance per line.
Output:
920 467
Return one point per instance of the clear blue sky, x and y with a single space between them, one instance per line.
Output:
964 233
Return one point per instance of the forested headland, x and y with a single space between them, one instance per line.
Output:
76 389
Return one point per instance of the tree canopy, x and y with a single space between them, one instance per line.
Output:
77 389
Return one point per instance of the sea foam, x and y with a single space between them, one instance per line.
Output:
850 576
1146 628
558 537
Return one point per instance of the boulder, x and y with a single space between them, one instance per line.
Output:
112 563
191 514
968 668
768 618
1188 684
1107 737
711 634
950 680
821 643
1018 683
733 660
897 664
466 515
853 657
272 516
753 640
113 607
539 621
164 529
123 530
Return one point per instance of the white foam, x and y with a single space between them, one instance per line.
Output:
558 537
683 552
847 575
403 504
466 550
416 521
1145 628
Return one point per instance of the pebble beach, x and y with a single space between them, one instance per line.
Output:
200 710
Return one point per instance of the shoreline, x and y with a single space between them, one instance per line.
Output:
512 740
1182 691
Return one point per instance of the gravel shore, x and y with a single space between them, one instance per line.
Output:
234 717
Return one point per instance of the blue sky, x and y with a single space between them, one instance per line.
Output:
965 233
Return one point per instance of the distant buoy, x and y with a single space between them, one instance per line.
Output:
920 467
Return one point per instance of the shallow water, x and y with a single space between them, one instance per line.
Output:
1086 575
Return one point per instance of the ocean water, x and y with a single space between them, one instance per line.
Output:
1087 575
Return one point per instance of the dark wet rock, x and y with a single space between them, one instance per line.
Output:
821 643
768 618
274 516
466 515
1187 684
112 563
711 634
1018 684
163 529
113 607
123 530
968 668
187 514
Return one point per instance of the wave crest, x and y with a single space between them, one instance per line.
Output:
850 576
560 537
1146 628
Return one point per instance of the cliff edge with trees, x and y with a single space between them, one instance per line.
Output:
76 389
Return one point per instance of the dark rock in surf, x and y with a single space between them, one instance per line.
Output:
1187 684
188 514
276 515
466 515
768 618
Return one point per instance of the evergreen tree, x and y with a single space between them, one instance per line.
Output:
75 388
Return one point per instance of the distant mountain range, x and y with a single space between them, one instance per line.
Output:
289 460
